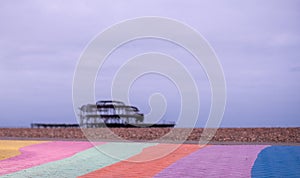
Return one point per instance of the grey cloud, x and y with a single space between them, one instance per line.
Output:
295 69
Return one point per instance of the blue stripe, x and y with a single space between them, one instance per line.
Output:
277 161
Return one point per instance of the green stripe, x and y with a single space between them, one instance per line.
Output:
85 161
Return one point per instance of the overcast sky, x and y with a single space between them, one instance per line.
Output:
257 43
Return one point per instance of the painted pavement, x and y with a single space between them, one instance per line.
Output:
20 159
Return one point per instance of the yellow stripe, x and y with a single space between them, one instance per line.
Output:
11 148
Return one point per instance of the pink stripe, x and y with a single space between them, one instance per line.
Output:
38 154
216 161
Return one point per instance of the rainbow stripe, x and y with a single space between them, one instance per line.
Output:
42 153
213 161
277 161
147 163
113 159
10 149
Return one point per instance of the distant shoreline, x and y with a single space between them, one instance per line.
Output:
287 135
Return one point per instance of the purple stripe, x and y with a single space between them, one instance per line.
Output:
216 161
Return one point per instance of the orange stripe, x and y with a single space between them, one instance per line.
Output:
149 162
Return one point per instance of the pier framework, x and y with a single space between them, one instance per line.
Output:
109 112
